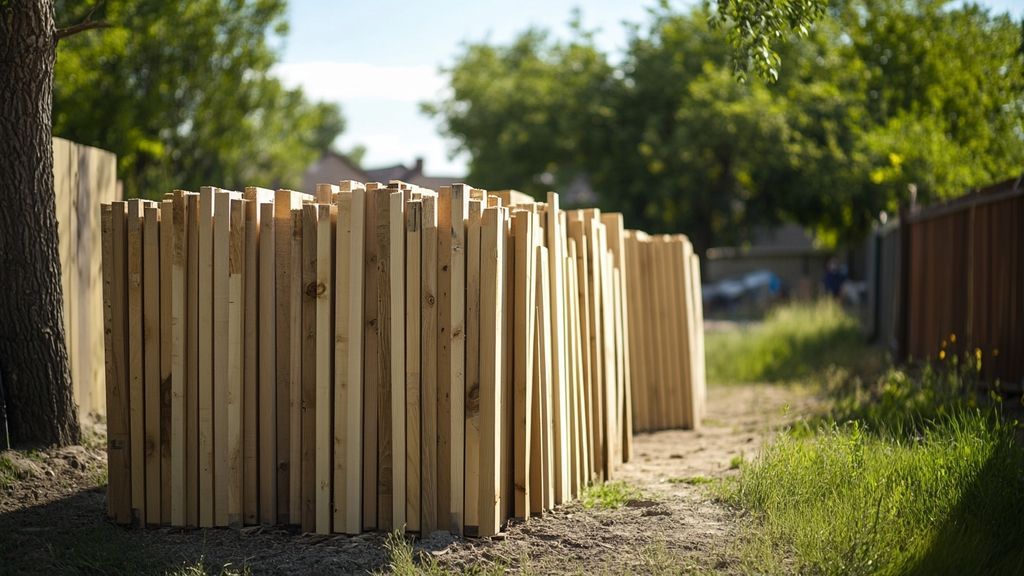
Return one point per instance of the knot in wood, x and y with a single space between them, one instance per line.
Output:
315 289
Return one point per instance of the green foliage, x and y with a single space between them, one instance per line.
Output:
756 26
609 495
181 92
795 342
878 95
848 502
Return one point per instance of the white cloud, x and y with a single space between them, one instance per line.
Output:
347 81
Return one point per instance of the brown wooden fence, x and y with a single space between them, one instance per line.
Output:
951 277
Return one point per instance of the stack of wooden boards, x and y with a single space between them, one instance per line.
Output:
667 348
375 357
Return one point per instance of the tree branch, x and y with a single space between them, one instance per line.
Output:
80 27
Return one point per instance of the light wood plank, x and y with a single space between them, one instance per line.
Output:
413 412
115 269
220 351
165 217
473 351
234 399
522 226
192 369
327 216
342 393
151 360
428 372
444 357
559 356
491 378
307 390
268 373
396 278
371 344
178 354
460 213
136 396
250 359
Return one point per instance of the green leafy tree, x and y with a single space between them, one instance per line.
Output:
181 92
879 94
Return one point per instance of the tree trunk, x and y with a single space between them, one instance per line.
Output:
33 357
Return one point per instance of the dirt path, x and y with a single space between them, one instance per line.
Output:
52 518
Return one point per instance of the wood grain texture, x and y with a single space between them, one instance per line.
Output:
428 372
136 397
413 405
151 350
268 396
491 380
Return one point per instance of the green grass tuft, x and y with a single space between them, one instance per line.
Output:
850 502
795 341
402 561
692 480
609 495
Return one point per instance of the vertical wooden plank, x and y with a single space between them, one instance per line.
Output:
580 242
370 350
151 360
165 217
268 373
327 216
178 353
95 187
491 363
205 357
342 344
135 362
507 463
234 399
543 387
428 372
612 456
220 351
444 356
523 349
383 461
559 357
473 351
250 361
615 234
192 365
460 213
115 259
349 361
283 201
297 369
307 392
65 186
700 376
396 278
413 405
576 365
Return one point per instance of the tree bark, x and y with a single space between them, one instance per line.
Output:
33 356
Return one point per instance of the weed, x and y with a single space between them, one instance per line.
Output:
691 480
9 473
609 495
736 462
198 568
402 561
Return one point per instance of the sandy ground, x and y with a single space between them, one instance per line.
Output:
52 518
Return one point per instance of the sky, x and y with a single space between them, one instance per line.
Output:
380 59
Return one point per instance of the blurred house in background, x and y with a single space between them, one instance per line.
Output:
333 167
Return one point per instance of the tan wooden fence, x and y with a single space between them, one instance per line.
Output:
375 357
84 178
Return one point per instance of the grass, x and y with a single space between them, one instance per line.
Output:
9 473
199 568
692 480
609 495
402 562
795 341
911 474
